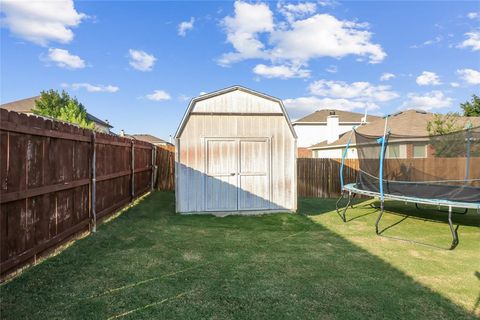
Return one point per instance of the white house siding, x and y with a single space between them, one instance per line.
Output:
352 153
310 134
191 147
335 153
101 128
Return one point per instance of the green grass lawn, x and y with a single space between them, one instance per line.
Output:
150 263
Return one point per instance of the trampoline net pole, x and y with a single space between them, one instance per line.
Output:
467 165
382 158
343 159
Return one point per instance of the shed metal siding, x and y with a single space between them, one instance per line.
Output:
191 148
237 101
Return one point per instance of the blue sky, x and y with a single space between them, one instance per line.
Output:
137 64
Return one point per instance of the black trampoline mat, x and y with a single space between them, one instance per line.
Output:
422 190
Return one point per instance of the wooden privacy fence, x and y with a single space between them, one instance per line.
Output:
320 178
166 170
57 179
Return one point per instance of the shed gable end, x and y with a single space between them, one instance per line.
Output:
237 101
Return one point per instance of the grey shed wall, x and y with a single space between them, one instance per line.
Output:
243 132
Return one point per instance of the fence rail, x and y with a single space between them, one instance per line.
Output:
55 178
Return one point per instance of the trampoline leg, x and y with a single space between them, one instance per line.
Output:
353 197
452 229
379 217
344 210
338 202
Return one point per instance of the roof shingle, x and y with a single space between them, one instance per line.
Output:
320 116
28 104
149 138
405 123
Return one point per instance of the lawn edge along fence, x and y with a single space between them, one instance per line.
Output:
59 180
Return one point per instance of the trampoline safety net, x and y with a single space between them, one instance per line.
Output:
444 167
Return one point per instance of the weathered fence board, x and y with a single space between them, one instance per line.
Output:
47 181
166 169
320 178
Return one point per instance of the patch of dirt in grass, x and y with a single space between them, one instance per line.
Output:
416 254
191 256
231 254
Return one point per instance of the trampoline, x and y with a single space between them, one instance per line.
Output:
446 173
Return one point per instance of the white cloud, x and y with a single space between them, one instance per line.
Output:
141 60
332 69
435 40
473 15
327 3
41 21
428 101
158 95
428 78
243 29
292 11
185 26
183 98
302 105
472 41
328 94
91 88
65 59
386 76
361 91
202 93
454 84
470 76
322 35
304 36
281 71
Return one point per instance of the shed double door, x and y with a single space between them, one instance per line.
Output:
237 174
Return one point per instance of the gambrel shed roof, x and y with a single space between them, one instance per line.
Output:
195 107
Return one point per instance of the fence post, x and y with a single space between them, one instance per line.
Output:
93 182
132 180
154 149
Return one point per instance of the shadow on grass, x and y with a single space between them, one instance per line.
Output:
277 266
477 303
430 213
314 207
425 213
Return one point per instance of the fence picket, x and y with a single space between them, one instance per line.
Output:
46 182
320 178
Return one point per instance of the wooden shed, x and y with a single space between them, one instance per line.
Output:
235 152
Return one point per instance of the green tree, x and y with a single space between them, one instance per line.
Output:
471 108
443 124
62 107
446 136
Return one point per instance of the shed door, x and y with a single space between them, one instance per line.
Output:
238 174
221 180
254 169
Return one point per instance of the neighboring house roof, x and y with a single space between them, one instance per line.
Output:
21 106
320 116
405 123
96 120
28 104
149 138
